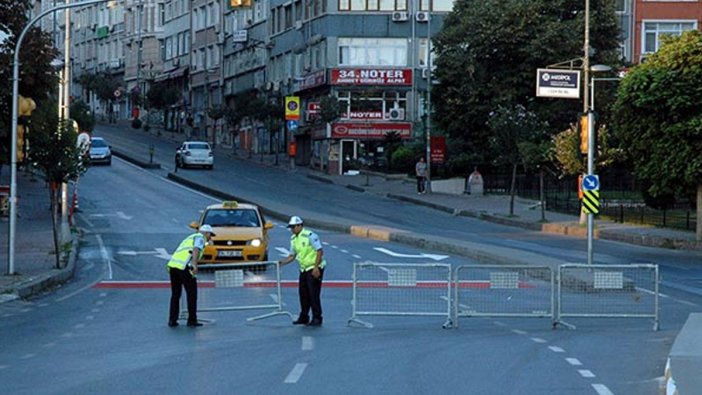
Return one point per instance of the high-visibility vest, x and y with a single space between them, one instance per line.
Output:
182 255
304 251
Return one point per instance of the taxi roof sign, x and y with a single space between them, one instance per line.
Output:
230 204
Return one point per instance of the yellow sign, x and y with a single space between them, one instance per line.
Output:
292 108
591 202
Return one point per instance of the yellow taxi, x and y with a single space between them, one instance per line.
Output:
241 233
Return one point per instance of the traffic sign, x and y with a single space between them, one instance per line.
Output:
292 125
292 108
591 182
117 93
591 201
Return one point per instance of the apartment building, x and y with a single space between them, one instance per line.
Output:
655 18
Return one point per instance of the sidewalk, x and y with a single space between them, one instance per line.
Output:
35 262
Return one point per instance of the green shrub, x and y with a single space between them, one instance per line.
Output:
403 159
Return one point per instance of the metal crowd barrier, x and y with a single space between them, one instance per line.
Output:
399 289
239 286
612 291
503 291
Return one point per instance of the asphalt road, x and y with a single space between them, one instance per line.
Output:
88 338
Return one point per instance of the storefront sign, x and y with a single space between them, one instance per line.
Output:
312 110
365 115
358 76
318 78
363 130
564 84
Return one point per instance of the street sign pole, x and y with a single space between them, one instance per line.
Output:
590 171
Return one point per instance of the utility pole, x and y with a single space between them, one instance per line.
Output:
590 120
15 109
428 124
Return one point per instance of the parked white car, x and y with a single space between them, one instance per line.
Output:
100 151
194 153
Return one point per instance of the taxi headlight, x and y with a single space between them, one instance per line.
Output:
255 243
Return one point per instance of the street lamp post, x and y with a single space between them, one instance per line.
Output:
15 108
591 150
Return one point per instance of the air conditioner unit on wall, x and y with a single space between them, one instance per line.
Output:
422 16
426 73
396 114
298 25
400 16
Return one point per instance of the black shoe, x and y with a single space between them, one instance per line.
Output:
315 322
173 324
194 323
301 321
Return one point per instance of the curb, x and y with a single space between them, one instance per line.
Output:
44 281
145 165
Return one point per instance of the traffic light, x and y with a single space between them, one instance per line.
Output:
25 108
584 133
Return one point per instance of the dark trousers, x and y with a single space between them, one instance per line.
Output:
421 184
183 279
310 289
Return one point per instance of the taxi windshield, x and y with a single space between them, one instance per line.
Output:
232 217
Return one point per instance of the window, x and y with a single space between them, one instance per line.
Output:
370 104
372 52
368 5
654 30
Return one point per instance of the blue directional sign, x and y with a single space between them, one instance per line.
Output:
292 125
591 182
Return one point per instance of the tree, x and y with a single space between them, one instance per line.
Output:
489 50
80 112
55 155
37 77
512 128
659 120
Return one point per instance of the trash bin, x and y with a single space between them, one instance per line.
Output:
475 183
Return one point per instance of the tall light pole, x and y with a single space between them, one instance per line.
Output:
591 150
15 109
428 124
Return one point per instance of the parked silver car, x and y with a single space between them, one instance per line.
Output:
100 151
194 153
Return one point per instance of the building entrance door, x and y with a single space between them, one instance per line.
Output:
348 155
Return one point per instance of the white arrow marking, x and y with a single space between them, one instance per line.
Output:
283 251
419 256
119 214
162 253
157 252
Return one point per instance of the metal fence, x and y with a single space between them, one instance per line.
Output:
612 291
397 289
503 291
240 286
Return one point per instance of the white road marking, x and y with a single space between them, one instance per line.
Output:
556 349
326 243
105 258
307 343
67 334
99 302
79 326
574 361
586 373
344 251
602 389
89 317
43 304
95 310
296 373
274 297
49 345
519 332
335 247
86 220
103 294
538 340
27 356
282 251
500 323
356 256
27 310
434 257
3 367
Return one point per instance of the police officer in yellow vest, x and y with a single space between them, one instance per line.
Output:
182 268
306 247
